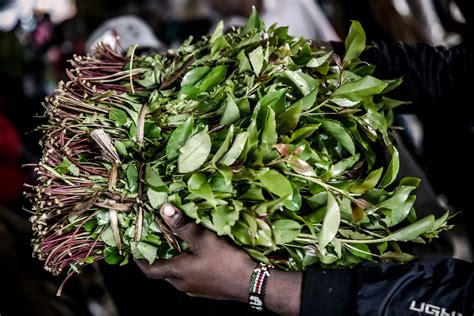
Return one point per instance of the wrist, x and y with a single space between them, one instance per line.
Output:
283 292
243 277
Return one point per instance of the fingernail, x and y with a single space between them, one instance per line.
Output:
168 210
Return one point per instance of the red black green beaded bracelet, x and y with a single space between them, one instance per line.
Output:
257 284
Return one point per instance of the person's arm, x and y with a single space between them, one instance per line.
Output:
433 77
213 268
435 286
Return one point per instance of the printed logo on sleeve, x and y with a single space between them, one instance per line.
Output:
430 309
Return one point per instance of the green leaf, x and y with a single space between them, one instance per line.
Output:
108 237
310 258
343 165
220 184
153 240
253 193
331 222
226 172
441 221
73 169
240 231
336 130
302 81
369 182
152 176
237 147
398 214
190 209
196 181
343 102
276 100
399 196
63 167
303 132
198 185
244 106
231 112
178 138
288 120
393 84
302 167
148 79
112 255
213 78
188 92
381 247
294 204
194 75
256 60
257 255
120 147
219 45
223 218
244 64
103 217
399 257
148 251
269 134
276 183
355 42
132 177
410 181
414 230
264 234
253 22
194 152
285 230
392 103
304 55
224 146
308 100
157 199
218 32
392 170
316 62
360 250
90 225
118 116
358 89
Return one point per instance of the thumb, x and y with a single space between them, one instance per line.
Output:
181 225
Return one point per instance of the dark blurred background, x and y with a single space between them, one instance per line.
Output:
38 37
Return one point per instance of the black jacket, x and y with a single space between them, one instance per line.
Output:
442 287
437 81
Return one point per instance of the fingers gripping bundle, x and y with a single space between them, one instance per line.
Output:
258 136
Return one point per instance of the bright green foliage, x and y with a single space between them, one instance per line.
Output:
264 138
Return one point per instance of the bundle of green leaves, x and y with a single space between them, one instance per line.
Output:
259 136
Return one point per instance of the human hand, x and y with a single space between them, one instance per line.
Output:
214 268
211 267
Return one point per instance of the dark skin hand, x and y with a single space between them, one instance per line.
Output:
214 268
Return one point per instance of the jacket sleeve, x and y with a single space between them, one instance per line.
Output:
432 76
433 287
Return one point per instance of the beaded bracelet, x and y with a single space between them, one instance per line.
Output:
257 284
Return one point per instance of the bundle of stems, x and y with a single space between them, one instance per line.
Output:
281 146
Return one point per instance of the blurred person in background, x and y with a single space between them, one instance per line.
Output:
303 17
